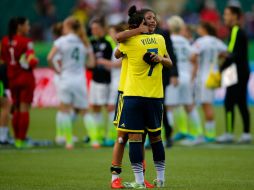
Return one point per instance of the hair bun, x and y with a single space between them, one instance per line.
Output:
132 10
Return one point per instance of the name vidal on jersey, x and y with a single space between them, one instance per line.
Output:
148 41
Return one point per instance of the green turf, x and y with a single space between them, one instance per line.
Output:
207 167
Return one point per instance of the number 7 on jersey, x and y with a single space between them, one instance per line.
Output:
155 51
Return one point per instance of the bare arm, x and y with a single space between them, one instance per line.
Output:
165 61
90 59
194 62
118 54
50 57
109 64
122 36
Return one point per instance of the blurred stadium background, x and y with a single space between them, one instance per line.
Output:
205 167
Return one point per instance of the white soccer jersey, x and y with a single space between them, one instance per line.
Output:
208 49
73 54
71 84
182 49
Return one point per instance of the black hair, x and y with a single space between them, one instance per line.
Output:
145 10
135 17
13 26
57 29
99 20
209 28
235 11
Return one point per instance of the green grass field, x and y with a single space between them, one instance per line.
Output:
207 167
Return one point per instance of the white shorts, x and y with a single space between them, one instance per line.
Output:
203 94
113 92
99 93
179 95
73 92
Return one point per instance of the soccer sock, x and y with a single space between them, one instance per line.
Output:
181 120
136 158
111 128
67 126
4 133
98 118
91 127
195 123
159 159
170 117
23 125
73 116
59 126
210 129
116 171
15 124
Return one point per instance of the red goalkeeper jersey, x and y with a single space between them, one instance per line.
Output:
11 53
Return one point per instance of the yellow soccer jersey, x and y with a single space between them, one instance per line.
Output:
142 80
123 73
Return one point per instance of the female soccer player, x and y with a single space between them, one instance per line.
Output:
143 93
114 65
182 94
18 53
205 51
74 49
103 46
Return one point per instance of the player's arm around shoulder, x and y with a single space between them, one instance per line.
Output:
123 36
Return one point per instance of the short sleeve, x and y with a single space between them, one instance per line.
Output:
197 47
58 43
221 46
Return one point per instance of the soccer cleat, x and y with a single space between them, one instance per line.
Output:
96 145
148 184
117 184
193 142
158 183
108 143
225 138
245 138
133 185
209 140
60 140
69 146
179 136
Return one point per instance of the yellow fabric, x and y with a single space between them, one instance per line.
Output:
213 80
233 38
123 73
138 83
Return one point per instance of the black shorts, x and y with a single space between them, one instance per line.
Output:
119 107
141 114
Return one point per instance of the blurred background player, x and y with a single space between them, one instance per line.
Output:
115 69
236 94
103 46
75 51
182 94
5 106
17 52
169 76
205 53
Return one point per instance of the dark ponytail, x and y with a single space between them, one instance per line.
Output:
135 17
13 26
209 28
